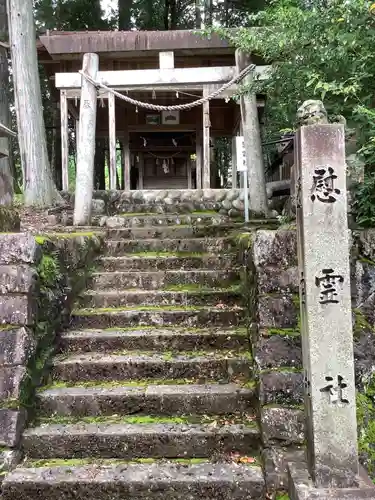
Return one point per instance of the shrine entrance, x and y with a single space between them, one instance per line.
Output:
162 160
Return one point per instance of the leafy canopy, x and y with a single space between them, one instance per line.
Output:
318 50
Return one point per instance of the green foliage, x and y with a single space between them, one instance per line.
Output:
364 201
366 426
49 271
322 52
318 51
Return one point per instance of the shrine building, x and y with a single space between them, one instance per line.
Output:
156 150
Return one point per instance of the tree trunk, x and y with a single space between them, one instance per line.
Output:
40 189
198 14
208 14
173 7
6 176
166 15
124 14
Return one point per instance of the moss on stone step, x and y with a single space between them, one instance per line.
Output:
240 330
281 369
140 214
282 495
120 383
169 254
216 420
287 332
4 328
103 310
249 384
202 289
81 462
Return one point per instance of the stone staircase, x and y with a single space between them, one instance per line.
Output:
151 396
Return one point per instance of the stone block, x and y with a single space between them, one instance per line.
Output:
9 459
16 346
276 461
9 218
276 249
275 259
283 426
208 481
301 486
284 388
273 279
277 311
98 207
17 279
53 220
17 309
114 222
11 379
363 288
277 351
226 204
366 243
364 355
12 423
19 248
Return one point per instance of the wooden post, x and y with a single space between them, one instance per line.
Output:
86 143
198 160
253 144
126 161
140 170
76 139
64 140
234 163
206 141
112 141
189 179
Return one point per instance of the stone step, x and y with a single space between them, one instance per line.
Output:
136 220
178 231
150 339
189 316
182 399
154 481
117 298
130 441
210 245
127 365
148 261
146 280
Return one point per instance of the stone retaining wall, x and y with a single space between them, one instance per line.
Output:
39 278
271 277
224 201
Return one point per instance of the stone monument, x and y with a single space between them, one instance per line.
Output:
332 468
